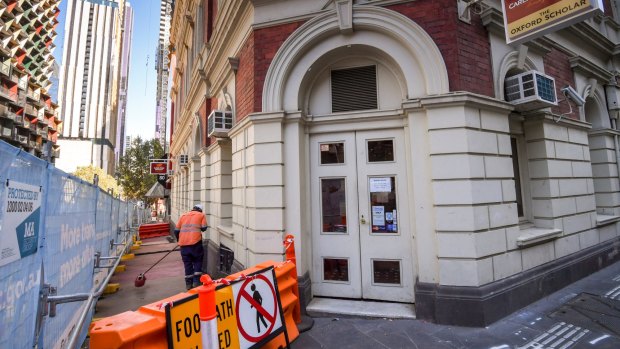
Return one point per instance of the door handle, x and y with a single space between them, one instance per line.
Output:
363 220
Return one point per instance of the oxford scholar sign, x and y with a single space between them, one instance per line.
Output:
526 20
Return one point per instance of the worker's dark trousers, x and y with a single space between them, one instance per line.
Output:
192 261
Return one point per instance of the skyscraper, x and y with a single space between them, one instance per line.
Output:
128 140
90 83
28 116
161 65
122 99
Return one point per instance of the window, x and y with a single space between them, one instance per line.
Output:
198 31
380 151
333 205
336 269
332 153
354 89
516 170
521 176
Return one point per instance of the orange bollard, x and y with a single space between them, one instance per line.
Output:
289 249
208 323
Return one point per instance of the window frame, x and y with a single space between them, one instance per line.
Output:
524 178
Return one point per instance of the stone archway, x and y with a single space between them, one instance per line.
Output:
413 50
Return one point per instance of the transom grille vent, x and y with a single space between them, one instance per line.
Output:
354 89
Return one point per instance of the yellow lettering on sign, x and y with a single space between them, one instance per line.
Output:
227 333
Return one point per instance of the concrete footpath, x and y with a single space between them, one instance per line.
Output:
585 314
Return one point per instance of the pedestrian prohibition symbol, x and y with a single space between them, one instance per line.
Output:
249 314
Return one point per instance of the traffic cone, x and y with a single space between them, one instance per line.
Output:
208 313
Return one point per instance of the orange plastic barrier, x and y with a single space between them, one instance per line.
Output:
151 230
146 327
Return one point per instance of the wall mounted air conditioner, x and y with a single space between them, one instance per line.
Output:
219 122
530 90
183 160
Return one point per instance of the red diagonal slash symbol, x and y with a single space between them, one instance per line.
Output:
258 307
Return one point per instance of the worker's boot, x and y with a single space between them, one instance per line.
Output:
188 283
197 280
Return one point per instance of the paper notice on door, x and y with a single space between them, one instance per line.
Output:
380 185
378 215
394 216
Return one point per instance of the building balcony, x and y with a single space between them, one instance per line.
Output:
33 94
22 84
8 115
7 132
5 68
8 94
24 124
30 110
22 139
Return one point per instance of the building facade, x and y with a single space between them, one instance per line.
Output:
124 81
28 116
128 140
90 83
162 64
385 136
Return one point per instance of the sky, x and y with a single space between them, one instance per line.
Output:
140 117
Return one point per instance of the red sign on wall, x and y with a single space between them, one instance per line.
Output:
158 168
528 19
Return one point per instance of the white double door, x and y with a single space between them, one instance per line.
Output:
361 229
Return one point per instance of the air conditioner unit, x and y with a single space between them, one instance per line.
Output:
219 122
530 90
183 160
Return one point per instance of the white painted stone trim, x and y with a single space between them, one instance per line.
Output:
532 235
602 219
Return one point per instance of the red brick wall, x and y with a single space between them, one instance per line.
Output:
244 87
209 105
557 66
268 41
204 111
607 8
208 7
254 60
465 48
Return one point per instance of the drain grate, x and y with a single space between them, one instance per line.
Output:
592 312
561 336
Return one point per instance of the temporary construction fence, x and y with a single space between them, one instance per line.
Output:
59 240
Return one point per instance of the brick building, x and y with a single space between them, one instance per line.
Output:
387 137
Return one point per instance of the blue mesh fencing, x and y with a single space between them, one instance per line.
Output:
51 226
20 279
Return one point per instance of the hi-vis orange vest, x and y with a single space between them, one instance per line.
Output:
189 224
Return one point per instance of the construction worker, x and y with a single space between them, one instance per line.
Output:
188 233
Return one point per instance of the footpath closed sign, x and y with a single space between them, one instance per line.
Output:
21 217
249 314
